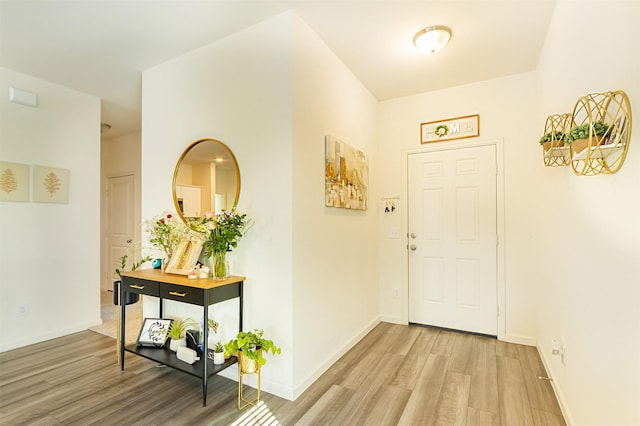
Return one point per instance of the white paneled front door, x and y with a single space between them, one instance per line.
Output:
453 238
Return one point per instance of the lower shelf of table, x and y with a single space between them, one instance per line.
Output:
169 358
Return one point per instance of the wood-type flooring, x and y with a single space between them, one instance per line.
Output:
396 375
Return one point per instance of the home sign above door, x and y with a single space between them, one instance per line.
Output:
467 126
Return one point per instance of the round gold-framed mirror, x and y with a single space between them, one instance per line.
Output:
206 180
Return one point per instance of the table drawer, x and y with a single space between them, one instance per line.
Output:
192 295
149 288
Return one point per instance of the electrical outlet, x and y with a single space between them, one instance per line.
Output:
22 310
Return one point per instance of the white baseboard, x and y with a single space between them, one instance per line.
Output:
520 340
392 319
556 390
51 334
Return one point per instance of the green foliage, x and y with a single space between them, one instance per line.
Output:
553 136
218 348
134 266
249 342
222 231
178 328
581 131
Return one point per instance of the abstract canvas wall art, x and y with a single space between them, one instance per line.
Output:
346 175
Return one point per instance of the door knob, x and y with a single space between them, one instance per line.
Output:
413 247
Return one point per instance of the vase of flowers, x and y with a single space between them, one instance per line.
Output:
222 233
165 232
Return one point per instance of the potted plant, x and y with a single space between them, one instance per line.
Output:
218 353
552 140
248 346
579 134
178 332
129 298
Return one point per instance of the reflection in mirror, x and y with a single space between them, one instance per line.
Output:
206 180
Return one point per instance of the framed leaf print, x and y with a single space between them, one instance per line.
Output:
14 181
50 185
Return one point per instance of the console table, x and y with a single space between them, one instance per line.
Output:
200 291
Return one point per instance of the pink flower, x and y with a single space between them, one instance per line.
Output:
208 215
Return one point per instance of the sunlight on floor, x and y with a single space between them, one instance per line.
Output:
260 414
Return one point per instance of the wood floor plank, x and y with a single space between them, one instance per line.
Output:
543 418
310 396
327 407
415 359
400 341
356 375
507 349
461 353
477 417
541 395
366 395
397 374
483 394
388 406
452 408
444 343
514 401
423 402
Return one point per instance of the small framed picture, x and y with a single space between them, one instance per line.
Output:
154 332
50 185
14 181
185 256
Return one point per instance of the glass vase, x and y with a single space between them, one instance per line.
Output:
220 268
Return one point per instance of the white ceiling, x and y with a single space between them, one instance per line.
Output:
101 47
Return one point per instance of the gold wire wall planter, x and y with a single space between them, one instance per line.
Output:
600 133
555 151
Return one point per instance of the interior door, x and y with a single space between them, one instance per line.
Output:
120 223
453 239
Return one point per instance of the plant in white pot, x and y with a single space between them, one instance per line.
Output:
178 332
218 353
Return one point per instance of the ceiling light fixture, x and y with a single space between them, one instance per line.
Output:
432 39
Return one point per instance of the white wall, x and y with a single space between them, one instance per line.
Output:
50 253
588 243
506 107
272 103
118 157
239 92
335 282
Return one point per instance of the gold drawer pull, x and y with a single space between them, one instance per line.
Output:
175 293
137 287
